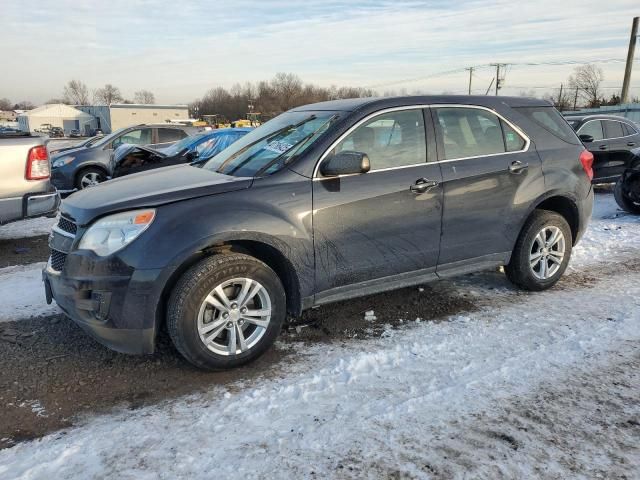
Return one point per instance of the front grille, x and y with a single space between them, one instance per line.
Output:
67 226
57 260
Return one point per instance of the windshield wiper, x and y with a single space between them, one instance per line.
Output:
265 138
296 146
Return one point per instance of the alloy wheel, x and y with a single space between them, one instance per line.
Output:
234 316
91 179
547 252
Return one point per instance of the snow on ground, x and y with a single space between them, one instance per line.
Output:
22 293
611 234
407 403
27 228
373 407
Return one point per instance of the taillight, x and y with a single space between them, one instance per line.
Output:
38 163
586 159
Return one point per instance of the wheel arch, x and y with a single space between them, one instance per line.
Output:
261 249
564 206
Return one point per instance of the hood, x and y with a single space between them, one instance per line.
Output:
148 189
63 152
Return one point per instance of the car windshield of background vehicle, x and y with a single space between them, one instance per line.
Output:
270 147
181 145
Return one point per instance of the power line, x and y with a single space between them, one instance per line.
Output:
489 65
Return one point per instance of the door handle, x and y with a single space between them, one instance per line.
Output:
602 147
518 167
422 185
631 144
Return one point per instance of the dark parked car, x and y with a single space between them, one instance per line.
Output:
610 138
128 159
627 189
87 166
56 132
321 204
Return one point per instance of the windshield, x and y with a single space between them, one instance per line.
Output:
107 138
183 144
270 147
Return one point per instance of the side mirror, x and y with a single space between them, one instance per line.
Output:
345 163
192 155
586 138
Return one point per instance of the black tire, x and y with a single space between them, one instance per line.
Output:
519 270
623 201
99 172
190 292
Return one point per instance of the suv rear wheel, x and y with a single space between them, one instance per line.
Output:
542 252
226 311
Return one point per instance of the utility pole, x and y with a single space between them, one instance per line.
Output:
490 85
498 79
575 100
624 97
560 97
470 75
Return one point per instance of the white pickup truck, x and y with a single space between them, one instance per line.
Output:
25 187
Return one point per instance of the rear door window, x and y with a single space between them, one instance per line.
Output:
593 128
167 135
628 129
470 132
613 129
550 119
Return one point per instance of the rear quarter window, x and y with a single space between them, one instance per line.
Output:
550 120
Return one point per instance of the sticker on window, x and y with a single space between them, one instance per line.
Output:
511 137
278 146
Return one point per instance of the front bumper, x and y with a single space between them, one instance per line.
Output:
62 178
117 309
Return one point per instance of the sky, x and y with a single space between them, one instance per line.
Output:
180 49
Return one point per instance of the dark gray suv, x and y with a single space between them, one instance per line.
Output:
321 204
89 164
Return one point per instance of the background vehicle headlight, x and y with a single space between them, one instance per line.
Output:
62 161
111 233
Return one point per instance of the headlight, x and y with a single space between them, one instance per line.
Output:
62 161
110 234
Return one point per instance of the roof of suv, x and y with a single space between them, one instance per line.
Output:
581 118
352 104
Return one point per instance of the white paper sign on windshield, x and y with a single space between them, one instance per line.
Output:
278 146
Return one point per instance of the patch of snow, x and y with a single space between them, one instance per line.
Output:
370 316
35 406
22 293
31 227
374 405
611 234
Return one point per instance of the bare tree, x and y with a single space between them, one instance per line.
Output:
23 105
587 79
55 100
107 95
76 93
5 104
145 97
269 97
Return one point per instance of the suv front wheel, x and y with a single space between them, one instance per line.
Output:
226 311
542 252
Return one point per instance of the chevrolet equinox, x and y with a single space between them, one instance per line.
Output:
323 203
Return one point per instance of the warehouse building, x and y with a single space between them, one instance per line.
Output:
115 116
57 115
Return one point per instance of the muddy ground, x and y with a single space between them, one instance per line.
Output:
53 373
